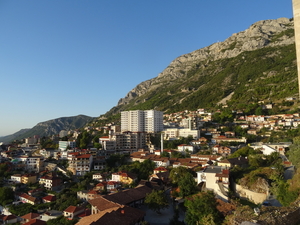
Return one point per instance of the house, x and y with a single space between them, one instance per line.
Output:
222 150
123 215
186 148
99 162
51 181
215 178
252 131
92 194
124 177
25 179
230 163
9 219
112 185
29 179
163 176
35 192
51 214
35 222
101 186
162 161
101 204
221 138
80 163
131 197
49 198
25 198
160 169
72 211
201 140
128 178
16 178
82 195
99 177
32 163
30 216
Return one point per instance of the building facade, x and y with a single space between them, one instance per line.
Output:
142 121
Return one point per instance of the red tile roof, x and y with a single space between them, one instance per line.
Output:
30 216
86 156
72 209
50 198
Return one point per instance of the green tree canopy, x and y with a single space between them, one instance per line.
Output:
244 151
201 209
187 185
156 200
294 152
6 195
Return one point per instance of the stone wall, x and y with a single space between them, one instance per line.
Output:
250 195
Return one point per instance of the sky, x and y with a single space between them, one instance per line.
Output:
63 58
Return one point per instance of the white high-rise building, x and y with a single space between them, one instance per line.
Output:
142 121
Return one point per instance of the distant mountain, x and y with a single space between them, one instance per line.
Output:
14 136
50 127
258 64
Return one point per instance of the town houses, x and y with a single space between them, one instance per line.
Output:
202 146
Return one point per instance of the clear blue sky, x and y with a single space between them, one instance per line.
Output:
69 57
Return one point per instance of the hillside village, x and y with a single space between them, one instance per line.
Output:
110 180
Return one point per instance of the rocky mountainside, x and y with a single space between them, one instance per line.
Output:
224 69
50 127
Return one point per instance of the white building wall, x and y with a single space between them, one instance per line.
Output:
142 121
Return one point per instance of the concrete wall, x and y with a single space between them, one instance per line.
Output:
250 195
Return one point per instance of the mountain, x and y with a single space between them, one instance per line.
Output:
50 127
14 136
258 64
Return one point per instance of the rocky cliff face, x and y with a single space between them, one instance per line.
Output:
259 35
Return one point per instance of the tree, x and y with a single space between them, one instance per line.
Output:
184 179
156 201
165 154
202 209
175 219
294 152
6 195
244 151
21 209
187 185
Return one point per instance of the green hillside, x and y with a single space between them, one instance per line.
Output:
268 74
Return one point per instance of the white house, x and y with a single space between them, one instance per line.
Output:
215 179
183 148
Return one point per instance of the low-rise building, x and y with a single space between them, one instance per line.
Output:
72 211
215 178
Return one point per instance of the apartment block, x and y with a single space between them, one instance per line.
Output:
80 164
142 121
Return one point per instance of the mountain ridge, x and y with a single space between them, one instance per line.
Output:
260 35
50 127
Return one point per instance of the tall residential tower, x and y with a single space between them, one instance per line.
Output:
142 121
